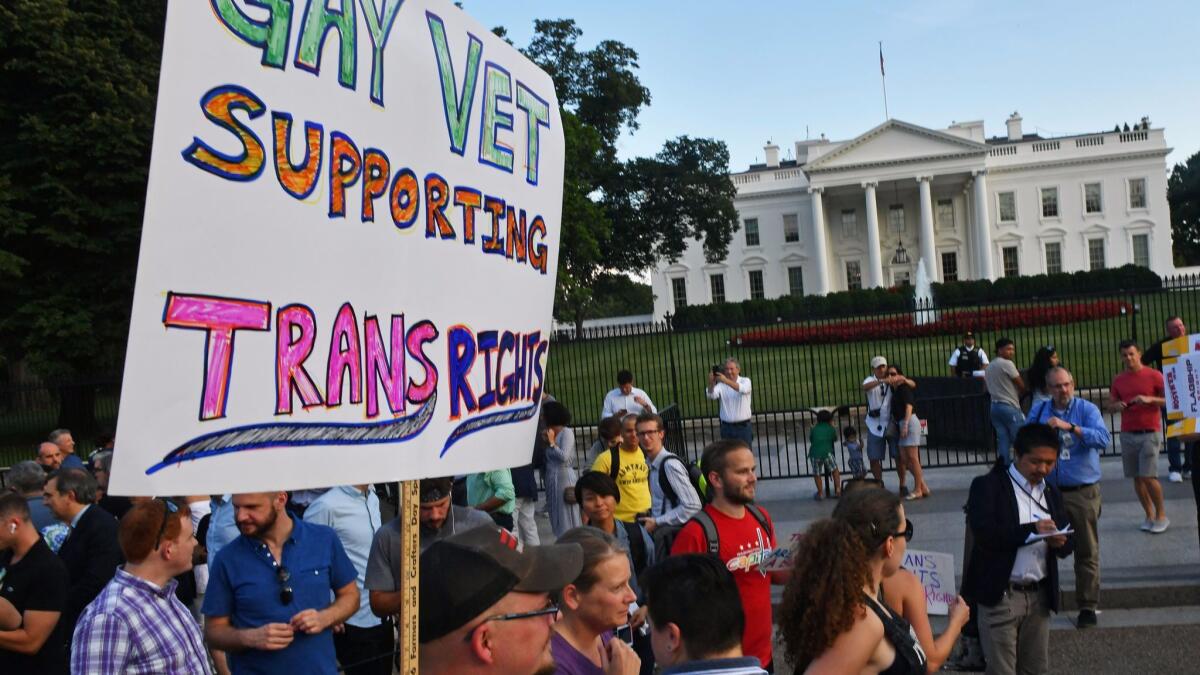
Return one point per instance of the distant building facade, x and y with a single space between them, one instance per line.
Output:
862 213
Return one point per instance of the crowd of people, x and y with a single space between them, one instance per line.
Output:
658 565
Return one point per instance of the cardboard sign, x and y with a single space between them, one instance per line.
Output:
936 573
1181 379
348 257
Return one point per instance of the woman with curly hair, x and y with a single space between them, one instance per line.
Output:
833 618
1045 359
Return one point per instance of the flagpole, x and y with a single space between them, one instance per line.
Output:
883 83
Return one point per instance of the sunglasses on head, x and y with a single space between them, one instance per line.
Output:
169 507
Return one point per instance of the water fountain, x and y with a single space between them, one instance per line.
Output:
924 296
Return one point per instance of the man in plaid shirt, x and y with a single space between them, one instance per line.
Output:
136 624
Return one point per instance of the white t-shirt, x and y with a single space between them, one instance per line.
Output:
735 403
617 400
878 398
958 350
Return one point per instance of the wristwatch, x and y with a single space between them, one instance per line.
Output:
1075 429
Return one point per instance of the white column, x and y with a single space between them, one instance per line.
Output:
983 228
820 253
874 255
928 249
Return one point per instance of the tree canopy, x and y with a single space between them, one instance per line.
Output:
1183 196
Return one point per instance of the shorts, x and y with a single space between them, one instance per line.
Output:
914 433
1139 453
855 465
822 465
877 444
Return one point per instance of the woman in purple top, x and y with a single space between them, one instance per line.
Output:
592 606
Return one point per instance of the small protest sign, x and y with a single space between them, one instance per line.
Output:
348 256
1181 379
935 571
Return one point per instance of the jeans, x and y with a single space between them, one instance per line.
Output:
1007 421
744 432
1177 456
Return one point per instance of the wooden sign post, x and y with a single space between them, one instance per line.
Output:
410 575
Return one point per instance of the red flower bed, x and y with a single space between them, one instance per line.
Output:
949 322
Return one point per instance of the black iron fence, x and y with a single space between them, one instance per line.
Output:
798 367
30 409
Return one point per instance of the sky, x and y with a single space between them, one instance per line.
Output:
759 70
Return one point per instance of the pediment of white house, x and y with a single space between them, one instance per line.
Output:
896 142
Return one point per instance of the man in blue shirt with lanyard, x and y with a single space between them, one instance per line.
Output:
1083 434
268 598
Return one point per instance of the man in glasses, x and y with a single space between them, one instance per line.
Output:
268 599
674 500
137 624
493 610
1013 568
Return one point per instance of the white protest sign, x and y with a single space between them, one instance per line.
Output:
348 258
936 574
1181 379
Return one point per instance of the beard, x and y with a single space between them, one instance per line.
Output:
256 531
738 495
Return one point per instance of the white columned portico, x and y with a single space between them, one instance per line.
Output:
928 249
820 254
983 228
874 256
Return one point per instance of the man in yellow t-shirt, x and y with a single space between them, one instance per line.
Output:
633 474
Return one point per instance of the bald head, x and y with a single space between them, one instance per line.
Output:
49 456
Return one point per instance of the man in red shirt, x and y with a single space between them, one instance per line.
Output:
1137 393
740 534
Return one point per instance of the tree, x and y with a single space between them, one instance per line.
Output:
622 217
1183 197
79 82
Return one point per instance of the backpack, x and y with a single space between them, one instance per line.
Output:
695 477
709 527
614 461
637 546
969 360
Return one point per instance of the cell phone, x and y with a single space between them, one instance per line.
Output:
625 634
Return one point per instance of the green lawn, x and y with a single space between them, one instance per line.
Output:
672 368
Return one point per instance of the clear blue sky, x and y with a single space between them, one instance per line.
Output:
749 71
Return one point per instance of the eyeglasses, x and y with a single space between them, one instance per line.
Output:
649 432
169 507
907 533
548 610
285 591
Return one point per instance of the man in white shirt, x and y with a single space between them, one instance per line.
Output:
967 359
1013 568
881 433
725 384
626 399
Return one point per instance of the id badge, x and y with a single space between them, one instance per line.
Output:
1066 439
1065 455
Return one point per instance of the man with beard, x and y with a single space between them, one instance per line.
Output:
267 604
439 520
740 534
493 610
49 457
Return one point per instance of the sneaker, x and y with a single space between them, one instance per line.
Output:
1087 619
1160 526
1147 525
1175 477
1187 475
818 496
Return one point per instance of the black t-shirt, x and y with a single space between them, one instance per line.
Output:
38 582
902 396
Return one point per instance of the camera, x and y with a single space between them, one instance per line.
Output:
716 370
873 413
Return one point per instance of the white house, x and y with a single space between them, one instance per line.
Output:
862 213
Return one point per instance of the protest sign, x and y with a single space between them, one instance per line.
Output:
348 256
935 571
1181 379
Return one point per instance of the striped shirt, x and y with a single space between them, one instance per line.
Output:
134 627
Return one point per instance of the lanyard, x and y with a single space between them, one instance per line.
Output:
1034 500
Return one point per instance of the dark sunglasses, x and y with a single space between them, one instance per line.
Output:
908 531
169 507
285 591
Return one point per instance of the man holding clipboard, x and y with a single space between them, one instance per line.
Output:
1021 529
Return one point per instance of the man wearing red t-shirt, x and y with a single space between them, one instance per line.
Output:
745 535
1137 393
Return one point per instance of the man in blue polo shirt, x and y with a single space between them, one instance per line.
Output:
1083 434
268 598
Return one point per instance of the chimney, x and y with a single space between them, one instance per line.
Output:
1014 127
772 152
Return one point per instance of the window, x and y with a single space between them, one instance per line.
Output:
1011 266
796 280
945 214
853 275
950 266
1008 207
896 217
752 231
716 284
849 223
1137 193
679 292
1092 203
901 278
1141 250
1096 254
791 227
1050 202
1053 257
756 285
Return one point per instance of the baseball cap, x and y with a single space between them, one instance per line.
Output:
878 361
968 334
463 575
